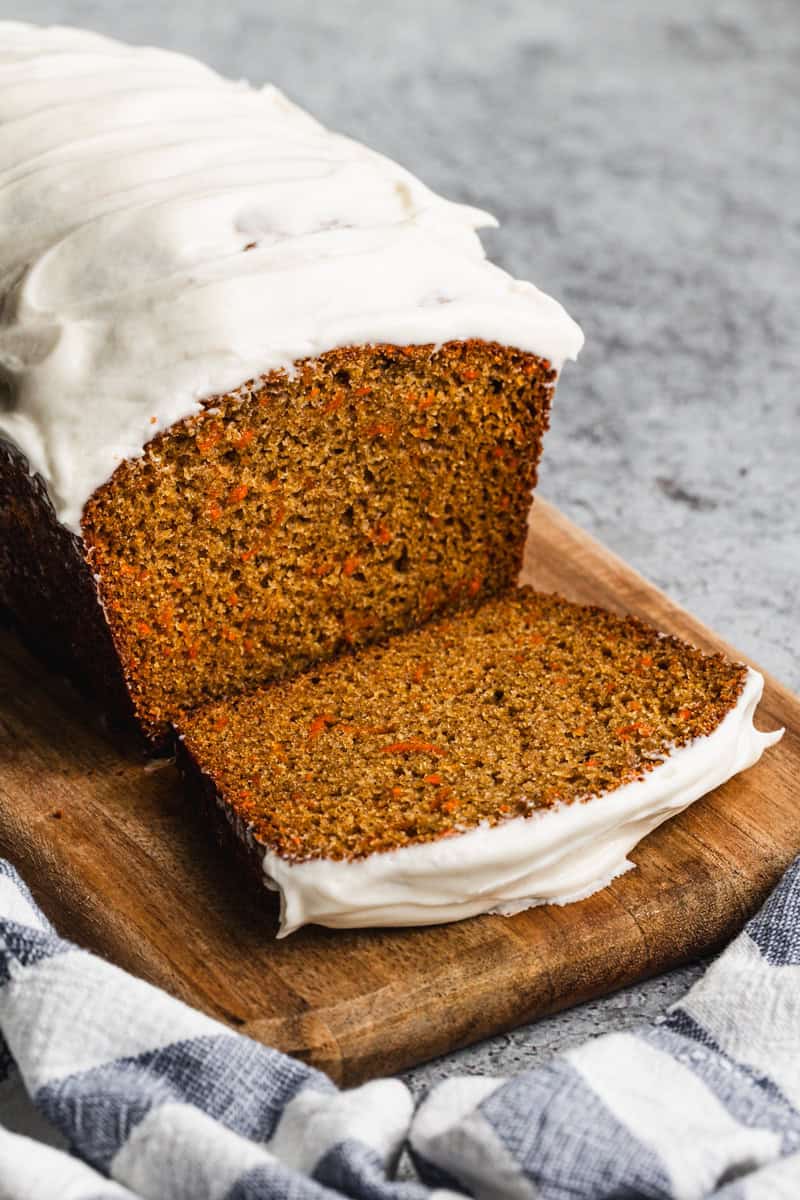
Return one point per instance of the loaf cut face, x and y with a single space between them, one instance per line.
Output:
300 517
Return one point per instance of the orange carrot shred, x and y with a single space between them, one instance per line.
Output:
413 746
381 535
204 444
335 403
625 731
244 439
165 615
319 724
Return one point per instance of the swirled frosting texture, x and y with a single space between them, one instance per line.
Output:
167 234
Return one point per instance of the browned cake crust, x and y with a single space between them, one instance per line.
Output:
527 702
47 591
298 518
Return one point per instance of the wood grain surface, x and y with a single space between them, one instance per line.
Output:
120 863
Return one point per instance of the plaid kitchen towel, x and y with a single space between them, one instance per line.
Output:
110 1089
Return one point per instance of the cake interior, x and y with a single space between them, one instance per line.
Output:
528 702
314 512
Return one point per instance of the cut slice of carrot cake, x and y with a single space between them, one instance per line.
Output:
503 758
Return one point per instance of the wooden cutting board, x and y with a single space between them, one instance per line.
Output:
117 860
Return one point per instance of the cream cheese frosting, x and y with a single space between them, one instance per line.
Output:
553 857
167 234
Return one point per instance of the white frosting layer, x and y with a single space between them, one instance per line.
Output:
553 857
166 235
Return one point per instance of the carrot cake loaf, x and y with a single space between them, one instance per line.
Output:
491 761
262 397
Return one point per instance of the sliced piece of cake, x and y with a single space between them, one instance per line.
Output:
262 398
503 758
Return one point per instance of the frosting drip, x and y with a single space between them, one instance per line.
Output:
166 235
554 857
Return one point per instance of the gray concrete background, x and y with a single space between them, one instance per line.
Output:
644 160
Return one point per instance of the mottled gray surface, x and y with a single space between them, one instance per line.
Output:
644 159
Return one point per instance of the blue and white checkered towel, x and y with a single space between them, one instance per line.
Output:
111 1089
